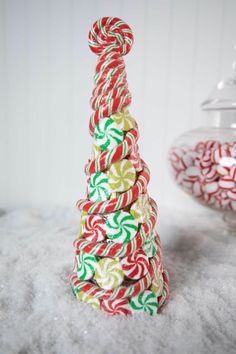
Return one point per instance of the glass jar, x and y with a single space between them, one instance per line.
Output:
203 161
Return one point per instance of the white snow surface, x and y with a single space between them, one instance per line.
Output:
39 314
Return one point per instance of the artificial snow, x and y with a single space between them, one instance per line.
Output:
39 314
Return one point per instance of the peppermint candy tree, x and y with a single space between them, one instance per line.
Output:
118 261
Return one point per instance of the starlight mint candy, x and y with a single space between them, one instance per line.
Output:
121 176
144 302
81 296
109 274
107 134
118 265
121 226
86 264
124 120
116 307
94 228
136 265
99 188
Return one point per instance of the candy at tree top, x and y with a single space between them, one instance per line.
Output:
116 307
141 208
107 134
136 265
108 273
121 176
121 226
86 265
117 179
144 302
94 228
110 34
124 120
82 296
99 188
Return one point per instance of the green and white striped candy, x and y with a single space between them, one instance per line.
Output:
121 226
86 265
98 188
82 296
108 273
107 134
144 302
150 246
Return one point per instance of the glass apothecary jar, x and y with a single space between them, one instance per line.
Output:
203 161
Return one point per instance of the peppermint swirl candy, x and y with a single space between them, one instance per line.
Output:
121 226
116 307
157 283
144 302
82 296
150 247
86 265
108 273
141 209
124 120
136 265
121 176
94 228
107 134
82 222
98 188
135 159
110 34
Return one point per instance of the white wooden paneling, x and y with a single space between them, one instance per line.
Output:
181 49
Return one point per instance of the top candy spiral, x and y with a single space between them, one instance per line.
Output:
110 34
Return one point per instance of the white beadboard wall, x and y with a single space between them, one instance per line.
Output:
182 48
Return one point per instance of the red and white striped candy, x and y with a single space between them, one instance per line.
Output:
217 154
209 173
135 159
232 173
197 189
116 307
205 160
226 183
232 194
211 188
193 172
94 228
136 265
222 170
188 158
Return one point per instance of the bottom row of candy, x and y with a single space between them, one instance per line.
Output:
145 302
148 301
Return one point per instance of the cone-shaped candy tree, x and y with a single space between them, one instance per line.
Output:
118 262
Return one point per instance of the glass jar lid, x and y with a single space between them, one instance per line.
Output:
223 96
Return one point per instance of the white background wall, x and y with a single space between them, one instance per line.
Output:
182 48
